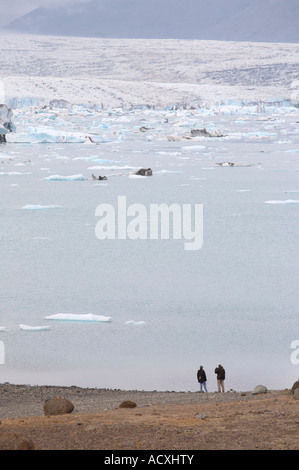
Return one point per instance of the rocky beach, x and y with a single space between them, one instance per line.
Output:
103 419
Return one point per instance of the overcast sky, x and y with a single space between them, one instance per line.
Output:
15 8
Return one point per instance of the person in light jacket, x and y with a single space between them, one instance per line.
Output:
202 379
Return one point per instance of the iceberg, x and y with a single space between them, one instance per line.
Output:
65 178
193 147
48 136
137 176
133 322
33 328
288 201
38 207
101 167
229 164
79 317
165 172
6 124
13 173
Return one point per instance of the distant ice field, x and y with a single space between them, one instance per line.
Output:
234 301
125 72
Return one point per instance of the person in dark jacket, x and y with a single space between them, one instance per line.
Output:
202 379
220 377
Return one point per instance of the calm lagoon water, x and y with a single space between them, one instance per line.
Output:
234 301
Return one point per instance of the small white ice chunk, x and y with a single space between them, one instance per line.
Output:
38 207
64 178
79 317
288 201
33 328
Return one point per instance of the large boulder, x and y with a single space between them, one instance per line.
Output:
296 394
295 386
128 404
58 406
259 389
25 444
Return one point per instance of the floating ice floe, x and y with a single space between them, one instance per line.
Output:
133 322
164 172
112 167
204 133
13 173
196 134
64 178
34 328
288 201
3 328
4 157
233 164
40 238
79 317
172 154
48 135
38 207
137 176
193 147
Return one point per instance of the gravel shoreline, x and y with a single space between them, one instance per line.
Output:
161 420
27 400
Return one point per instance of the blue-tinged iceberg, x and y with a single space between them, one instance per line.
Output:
14 173
65 178
6 124
48 136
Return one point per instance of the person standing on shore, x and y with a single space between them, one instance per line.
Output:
202 379
220 377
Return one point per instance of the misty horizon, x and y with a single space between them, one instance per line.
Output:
239 20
